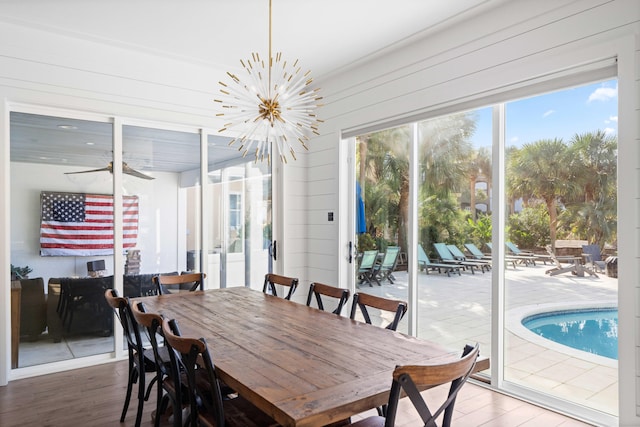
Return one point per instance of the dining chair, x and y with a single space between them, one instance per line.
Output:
152 322
317 289
365 301
271 280
86 296
207 405
409 380
141 360
171 283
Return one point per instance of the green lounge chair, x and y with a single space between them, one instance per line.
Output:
460 256
426 264
526 259
532 256
447 257
478 254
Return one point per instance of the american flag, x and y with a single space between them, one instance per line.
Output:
77 224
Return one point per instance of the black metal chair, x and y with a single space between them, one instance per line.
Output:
171 283
365 301
86 296
152 322
318 289
141 360
410 380
207 404
271 280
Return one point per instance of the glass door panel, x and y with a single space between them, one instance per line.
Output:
382 175
454 179
561 167
61 237
240 230
163 174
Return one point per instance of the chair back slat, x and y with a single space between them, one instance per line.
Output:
270 280
363 301
411 379
165 284
317 289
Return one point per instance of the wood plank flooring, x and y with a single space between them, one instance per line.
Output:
94 397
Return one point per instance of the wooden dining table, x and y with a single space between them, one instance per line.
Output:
300 365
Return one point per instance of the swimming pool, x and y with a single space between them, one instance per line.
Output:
591 330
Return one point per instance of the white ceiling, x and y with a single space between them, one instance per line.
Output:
327 37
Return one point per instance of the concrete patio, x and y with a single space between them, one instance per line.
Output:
456 310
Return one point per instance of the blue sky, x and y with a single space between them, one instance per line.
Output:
559 114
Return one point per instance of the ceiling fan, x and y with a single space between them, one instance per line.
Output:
126 169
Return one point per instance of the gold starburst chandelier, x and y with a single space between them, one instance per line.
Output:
275 106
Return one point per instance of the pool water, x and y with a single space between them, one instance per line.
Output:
591 330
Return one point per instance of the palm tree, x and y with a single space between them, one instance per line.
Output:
594 160
479 167
540 170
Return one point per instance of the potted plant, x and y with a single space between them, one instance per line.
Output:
18 273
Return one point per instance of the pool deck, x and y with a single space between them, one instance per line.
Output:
456 310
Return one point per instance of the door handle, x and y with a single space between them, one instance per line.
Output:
350 252
274 251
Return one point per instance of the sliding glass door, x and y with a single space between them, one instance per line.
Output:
560 306
240 216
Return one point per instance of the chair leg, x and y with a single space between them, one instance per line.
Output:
141 398
132 378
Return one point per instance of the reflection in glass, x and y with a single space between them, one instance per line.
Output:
62 229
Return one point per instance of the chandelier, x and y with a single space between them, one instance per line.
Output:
275 106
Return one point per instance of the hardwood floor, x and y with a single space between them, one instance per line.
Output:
94 396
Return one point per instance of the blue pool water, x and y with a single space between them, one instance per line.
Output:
591 330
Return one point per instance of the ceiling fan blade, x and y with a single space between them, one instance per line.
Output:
130 171
107 169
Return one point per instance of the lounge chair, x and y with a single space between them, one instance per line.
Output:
426 264
447 257
593 257
460 256
532 256
479 255
574 266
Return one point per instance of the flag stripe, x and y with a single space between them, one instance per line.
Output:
77 224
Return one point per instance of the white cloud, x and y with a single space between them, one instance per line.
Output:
609 131
613 118
603 94
548 113
514 139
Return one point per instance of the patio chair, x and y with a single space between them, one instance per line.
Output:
447 257
426 264
593 258
383 270
574 266
459 255
479 255
366 269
